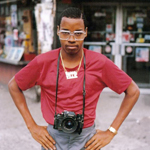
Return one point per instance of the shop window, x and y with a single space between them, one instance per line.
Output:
17 32
101 23
136 25
138 64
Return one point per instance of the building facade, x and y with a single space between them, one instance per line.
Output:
120 29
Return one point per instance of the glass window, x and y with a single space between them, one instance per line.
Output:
101 23
136 24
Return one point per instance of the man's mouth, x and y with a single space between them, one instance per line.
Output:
72 46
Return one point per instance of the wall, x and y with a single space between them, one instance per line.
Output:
7 71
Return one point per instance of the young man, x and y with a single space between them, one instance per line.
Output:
68 75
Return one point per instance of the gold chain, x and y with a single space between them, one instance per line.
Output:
64 65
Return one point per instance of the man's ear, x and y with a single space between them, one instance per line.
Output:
58 30
86 31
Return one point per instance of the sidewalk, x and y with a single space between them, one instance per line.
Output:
134 133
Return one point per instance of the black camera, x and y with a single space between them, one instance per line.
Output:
68 122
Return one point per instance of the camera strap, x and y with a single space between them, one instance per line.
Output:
84 92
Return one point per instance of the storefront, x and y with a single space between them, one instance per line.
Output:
120 30
26 30
135 47
18 42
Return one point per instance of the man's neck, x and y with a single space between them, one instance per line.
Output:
72 60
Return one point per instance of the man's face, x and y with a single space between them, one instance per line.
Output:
71 45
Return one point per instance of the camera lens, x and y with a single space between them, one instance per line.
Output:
69 124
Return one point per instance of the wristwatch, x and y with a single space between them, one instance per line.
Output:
113 130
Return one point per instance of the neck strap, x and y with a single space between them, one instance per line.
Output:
84 93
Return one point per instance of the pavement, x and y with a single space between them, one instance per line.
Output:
134 134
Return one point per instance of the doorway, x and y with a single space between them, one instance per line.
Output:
136 43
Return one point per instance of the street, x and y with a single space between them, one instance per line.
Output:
134 134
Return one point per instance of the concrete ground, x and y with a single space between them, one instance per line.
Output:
134 133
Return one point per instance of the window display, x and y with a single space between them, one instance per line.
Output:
16 32
136 25
136 39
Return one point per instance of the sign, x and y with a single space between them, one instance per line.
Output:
142 54
95 48
15 53
14 19
126 37
109 28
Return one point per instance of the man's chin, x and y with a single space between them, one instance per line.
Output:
72 51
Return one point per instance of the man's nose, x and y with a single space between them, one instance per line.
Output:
71 38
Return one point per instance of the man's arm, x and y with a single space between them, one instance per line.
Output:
39 133
102 138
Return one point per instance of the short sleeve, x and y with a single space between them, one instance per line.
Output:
28 76
115 78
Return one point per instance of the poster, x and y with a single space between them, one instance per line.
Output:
142 54
125 37
95 48
110 37
130 21
45 13
9 42
109 28
14 15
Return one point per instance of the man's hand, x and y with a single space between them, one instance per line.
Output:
41 135
99 140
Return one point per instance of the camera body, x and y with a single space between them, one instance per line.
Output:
68 122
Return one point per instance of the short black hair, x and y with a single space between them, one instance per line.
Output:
73 12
